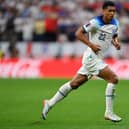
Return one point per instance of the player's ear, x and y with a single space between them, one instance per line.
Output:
103 11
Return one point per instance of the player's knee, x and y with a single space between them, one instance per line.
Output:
114 80
75 85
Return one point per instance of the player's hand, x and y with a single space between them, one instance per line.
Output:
116 43
95 47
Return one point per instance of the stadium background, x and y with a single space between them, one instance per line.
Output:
38 50
41 32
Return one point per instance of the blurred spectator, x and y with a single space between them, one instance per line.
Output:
39 29
26 12
1 53
53 20
57 17
9 32
13 51
27 29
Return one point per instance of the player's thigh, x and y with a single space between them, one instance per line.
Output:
108 75
78 80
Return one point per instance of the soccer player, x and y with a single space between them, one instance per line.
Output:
102 31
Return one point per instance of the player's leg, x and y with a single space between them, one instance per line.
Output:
66 88
63 91
108 75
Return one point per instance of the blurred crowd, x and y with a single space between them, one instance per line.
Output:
53 20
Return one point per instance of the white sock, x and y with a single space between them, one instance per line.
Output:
61 93
110 89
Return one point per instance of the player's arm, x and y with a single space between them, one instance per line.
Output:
81 35
115 39
116 42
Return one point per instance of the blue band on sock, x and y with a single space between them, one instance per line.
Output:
61 93
110 95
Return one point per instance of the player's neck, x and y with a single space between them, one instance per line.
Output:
105 20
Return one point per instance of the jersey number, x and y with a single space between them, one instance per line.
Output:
102 36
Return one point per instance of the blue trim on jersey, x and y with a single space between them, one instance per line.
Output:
100 21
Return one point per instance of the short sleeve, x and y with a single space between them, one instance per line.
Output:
92 25
116 31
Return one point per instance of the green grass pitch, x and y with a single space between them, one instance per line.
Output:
21 105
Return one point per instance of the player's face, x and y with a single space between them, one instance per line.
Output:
109 12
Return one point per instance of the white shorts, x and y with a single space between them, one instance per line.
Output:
91 64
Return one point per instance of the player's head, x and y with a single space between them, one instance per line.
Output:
109 9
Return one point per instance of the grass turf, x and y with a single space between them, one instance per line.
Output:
21 105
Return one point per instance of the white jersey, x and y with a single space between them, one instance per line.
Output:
101 33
